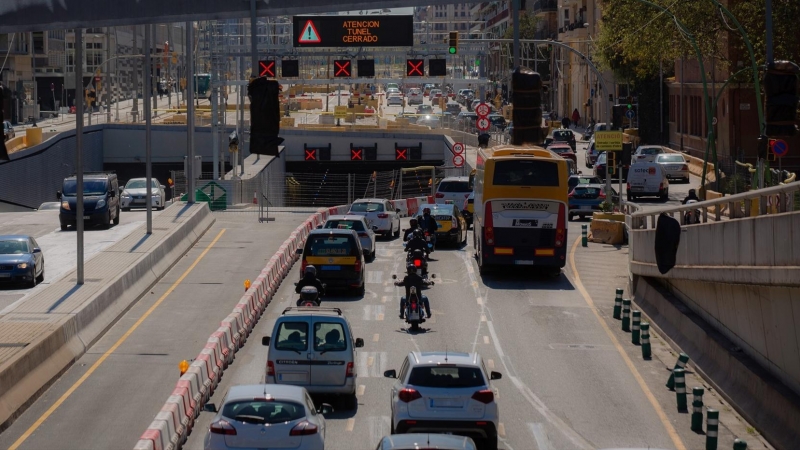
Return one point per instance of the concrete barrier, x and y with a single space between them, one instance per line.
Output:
607 232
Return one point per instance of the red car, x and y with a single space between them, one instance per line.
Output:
564 150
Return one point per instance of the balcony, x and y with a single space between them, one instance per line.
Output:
497 18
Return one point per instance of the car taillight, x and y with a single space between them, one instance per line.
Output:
485 396
357 266
628 186
383 216
571 193
602 194
349 372
363 235
488 224
304 428
408 395
453 223
561 231
270 369
417 263
303 266
660 186
685 167
222 427
439 195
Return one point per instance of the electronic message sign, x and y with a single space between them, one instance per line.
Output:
353 31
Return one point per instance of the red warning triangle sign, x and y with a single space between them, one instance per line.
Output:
309 35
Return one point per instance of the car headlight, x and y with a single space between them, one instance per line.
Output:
100 203
22 266
126 194
65 205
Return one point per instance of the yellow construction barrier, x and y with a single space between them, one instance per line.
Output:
606 232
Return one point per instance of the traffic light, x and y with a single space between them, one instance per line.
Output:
527 100
415 67
618 114
366 68
611 162
265 116
342 68
780 89
437 67
453 43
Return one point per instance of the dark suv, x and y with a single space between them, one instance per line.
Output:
100 200
564 135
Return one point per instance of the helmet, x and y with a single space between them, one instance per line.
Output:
309 294
419 233
692 192
426 211
413 222
311 270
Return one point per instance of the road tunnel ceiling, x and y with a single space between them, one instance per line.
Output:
36 15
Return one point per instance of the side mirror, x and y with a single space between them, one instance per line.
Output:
58 195
390 374
433 275
37 250
299 251
496 375
112 193
162 187
397 210
359 342
394 277
325 409
265 341
210 407
319 227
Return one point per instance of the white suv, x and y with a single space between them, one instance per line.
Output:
455 189
445 392
380 215
647 153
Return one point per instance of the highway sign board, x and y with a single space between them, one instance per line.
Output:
780 148
482 123
353 31
630 114
483 109
340 112
458 160
608 141
458 148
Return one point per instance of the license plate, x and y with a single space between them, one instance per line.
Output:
5 275
586 206
525 223
419 272
87 217
139 201
292 377
445 403
637 188
523 262
331 267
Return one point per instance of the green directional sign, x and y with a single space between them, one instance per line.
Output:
214 194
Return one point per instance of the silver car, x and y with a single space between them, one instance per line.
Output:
647 153
134 194
394 99
426 440
674 165
260 416
359 225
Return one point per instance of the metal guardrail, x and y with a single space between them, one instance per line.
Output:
772 200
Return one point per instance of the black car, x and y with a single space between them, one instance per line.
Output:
564 135
100 200
21 260
600 168
498 121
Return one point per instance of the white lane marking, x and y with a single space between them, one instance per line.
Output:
483 317
376 337
540 435
384 299
375 277
490 364
374 312
350 424
479 300
485 339
501 429
371 364
360 390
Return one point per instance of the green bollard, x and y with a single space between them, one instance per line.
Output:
646 340
626 314
637 321
712 427
683 358
697 409
680 388
584 235
618 304
739 444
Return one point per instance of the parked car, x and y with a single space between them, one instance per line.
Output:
134 194
564 150
675 166
100 200
8 131
452 107
21 260
647 180
446 392
319 334
647 153
585 199
358 224
381 216
257 416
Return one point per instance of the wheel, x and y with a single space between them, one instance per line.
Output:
126 209
570 216
392 426
361 291
40 278
32 283
464 242
371 256
414 326
348 402
397 233
490 443
116 218
107 221
64 227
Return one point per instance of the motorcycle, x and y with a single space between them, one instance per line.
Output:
309 296
691 217
413 312
430 242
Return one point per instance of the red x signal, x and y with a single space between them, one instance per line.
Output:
266 68
341 68
311 154
356 154
414 67
401 154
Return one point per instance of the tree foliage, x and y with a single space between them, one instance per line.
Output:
527 26
786 29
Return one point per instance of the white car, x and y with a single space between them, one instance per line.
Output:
429 120
394 99
415 96
675 166
271 415
435 93
359 225
393 90
381 216
647 153
445 392
454 189
134 194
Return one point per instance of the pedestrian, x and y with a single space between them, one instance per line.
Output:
565 122
576 116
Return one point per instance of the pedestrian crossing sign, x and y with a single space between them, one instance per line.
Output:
309 34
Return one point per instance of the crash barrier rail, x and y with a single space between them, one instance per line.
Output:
172 425
772 200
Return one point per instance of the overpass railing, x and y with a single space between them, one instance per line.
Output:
772 200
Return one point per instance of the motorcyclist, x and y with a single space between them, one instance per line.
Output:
428 224
415 281
310 279
412 226
417 242
692 196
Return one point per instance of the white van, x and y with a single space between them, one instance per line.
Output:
647 179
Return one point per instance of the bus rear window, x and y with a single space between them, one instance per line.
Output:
525 173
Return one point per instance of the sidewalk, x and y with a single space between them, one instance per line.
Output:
601 269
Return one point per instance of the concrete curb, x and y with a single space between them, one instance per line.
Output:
755 394
30 372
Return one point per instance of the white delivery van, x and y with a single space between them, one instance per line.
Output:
646 179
